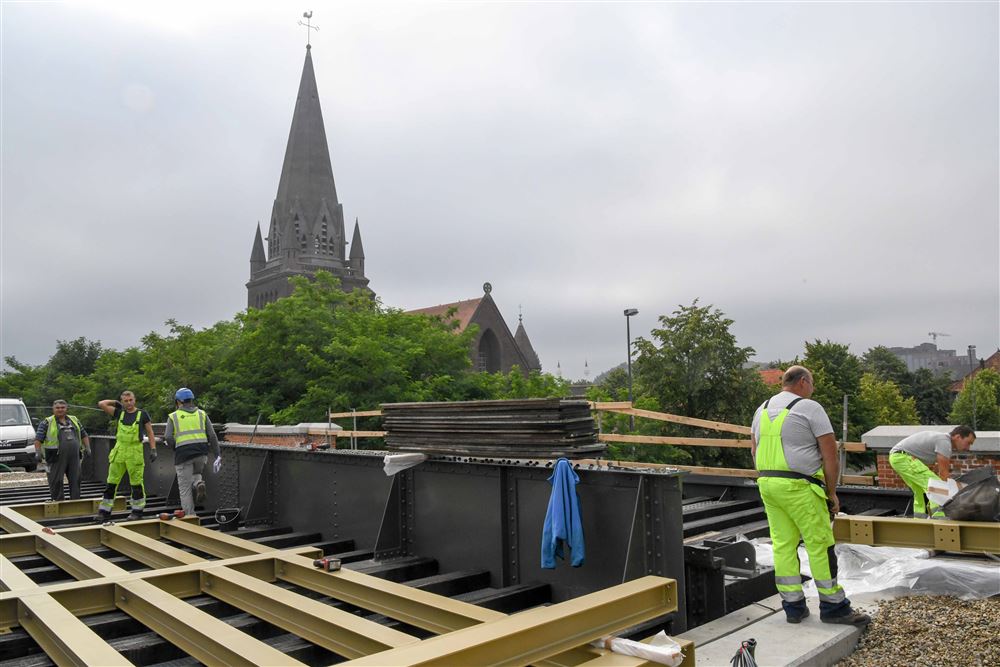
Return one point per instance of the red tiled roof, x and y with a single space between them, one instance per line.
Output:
464 310
993 361
771 376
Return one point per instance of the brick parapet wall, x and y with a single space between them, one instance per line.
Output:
887 477
286 440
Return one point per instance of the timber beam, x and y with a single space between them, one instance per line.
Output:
963 536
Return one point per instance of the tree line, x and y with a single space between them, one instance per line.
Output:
322 348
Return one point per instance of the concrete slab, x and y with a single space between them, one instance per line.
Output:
781 644
727 625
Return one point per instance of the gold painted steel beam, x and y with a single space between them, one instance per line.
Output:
14 522
197 633
23 544
147 550
421 609
12 579
343 633
64 508
535 634
77 561
65 639
96 596
964 536
214 542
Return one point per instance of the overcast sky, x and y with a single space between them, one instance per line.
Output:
814 170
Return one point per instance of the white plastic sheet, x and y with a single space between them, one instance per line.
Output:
661 648
940 491
393 463
896 571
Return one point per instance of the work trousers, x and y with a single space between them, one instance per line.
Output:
125 458
916 475
796 509
188 479
63 461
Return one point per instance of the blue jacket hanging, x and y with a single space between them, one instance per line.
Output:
562 520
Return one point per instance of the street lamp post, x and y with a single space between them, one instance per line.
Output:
972 382
629 312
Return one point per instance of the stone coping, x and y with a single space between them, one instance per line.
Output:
233 428
883 438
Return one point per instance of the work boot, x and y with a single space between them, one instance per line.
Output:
796 616
103 516
199 493
134 515
852 617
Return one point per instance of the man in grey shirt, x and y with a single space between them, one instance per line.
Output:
913 454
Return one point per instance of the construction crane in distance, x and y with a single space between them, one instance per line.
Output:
934 335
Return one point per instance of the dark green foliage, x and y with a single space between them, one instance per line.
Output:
933 396
288 362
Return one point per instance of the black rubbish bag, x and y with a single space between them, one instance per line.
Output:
979 500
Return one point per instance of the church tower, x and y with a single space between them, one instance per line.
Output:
306 228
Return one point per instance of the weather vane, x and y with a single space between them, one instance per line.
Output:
309 26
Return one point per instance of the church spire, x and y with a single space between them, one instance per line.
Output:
257 258
306 174
357 250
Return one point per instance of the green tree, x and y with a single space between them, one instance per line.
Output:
836 371
696 368
885 402
932 395
885 365
986 385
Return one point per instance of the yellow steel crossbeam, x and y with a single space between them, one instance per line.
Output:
95 596
65 639
535 634
216 543
64 508
197 633
11 577
334 629
147 550
23 544
415 607
964 536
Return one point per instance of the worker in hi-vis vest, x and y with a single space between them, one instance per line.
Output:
911 456
127 455
191 434
61 442
795 454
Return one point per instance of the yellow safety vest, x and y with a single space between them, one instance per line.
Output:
52 435
189 427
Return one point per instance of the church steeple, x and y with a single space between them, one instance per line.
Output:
306 229
306 174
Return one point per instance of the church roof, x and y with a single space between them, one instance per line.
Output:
464 310
357 250
521 338
306 173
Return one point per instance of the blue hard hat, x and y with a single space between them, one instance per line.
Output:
184 394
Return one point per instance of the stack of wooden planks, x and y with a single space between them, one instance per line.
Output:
543 428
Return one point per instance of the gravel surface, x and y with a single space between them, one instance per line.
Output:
9 479
938 631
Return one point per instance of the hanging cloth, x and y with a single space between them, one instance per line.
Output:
563 525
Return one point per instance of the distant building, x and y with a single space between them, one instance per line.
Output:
939 362
494 348
306 229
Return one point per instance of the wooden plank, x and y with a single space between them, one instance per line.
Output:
670 440
610 405
721 472
861 480
678 419
359 413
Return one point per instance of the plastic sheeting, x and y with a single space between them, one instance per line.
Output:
896 571
661 648
394 463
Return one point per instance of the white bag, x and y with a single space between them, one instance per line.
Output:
660 649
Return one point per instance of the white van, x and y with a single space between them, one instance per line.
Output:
17 435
